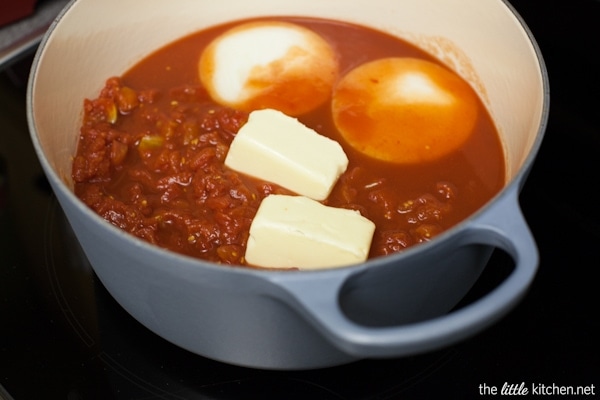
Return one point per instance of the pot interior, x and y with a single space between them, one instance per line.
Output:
92 40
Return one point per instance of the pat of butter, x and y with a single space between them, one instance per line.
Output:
280 149
298 232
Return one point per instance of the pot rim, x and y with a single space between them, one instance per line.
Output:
511 187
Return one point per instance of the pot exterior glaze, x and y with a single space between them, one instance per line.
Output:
387 307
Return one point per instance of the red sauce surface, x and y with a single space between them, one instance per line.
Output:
152 145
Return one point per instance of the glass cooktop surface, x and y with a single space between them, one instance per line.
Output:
62 336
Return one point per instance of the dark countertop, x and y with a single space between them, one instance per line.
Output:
62 336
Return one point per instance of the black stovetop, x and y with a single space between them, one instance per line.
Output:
62 336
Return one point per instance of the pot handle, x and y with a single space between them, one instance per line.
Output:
502 226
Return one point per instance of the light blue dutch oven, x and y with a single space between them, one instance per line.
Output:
387 307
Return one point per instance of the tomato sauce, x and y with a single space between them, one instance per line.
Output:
152 145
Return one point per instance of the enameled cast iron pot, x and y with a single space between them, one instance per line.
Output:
388 307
